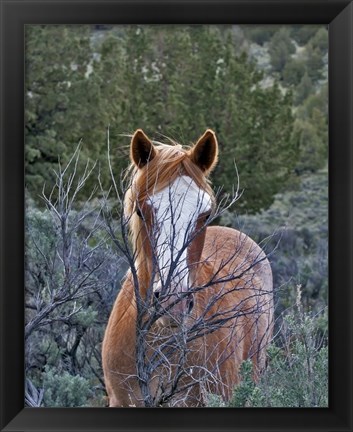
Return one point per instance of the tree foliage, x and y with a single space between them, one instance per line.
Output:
57 58
280 49
293 72
303 33
260 34
174 81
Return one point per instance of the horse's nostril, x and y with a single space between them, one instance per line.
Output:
190 304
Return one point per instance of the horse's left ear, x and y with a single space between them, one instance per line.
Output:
204 154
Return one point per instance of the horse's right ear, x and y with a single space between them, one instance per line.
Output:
142 150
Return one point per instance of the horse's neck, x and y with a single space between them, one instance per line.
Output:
201 274
144 275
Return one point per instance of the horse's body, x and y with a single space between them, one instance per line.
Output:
235 305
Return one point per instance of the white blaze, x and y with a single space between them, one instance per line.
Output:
176 209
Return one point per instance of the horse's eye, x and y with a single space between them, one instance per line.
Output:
138 212
205 218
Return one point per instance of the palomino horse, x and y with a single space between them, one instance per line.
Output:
198 299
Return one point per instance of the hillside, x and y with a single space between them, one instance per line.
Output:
294 231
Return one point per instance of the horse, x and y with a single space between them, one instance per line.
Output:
198 298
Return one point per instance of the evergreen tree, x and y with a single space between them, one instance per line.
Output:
312 147
293 72
303 33
320 40
314 62
311 129
57 58
280 49
260 34
304 89
170 80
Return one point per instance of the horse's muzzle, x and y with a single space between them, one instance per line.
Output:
174 309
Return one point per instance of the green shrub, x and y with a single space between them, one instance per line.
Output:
297 370
243 393
64 390
297 374
72 277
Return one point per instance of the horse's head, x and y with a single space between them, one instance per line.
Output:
168 204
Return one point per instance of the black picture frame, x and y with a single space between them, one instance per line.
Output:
338 15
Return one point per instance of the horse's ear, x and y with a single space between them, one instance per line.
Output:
204 154
142 150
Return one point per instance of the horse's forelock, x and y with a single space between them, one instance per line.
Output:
169 163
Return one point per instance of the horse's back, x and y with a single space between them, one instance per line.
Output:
237 253
238 259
